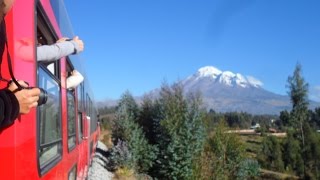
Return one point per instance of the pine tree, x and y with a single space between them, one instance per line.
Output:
126 129
182 132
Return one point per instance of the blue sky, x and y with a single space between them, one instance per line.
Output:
137 44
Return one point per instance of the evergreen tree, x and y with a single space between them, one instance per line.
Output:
315 119
271 155
285 118
312 153
149 119
299 98
182 133
298 92
127 130
292 155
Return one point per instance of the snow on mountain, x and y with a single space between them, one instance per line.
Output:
209 71
225 77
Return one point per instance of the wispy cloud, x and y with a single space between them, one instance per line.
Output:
315 93
253 80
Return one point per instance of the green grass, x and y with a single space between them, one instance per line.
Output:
252 144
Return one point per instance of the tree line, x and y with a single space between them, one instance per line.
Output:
168 138
172 137
299 152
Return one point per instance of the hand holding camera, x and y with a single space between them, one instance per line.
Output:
28 97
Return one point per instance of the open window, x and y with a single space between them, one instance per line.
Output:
45 36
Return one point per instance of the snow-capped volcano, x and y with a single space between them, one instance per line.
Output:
225 91
228 91
225 77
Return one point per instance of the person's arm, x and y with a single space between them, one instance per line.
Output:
56 51
11 104
9 108
74 80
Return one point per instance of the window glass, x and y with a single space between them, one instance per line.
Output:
80 127
80 95
71 120
87 105
73 173
49 120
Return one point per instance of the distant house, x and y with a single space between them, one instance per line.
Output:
255 126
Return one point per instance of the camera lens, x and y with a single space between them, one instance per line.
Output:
42 97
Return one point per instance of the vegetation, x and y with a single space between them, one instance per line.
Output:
299 152
171 137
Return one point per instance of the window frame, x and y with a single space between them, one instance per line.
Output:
71 148
46 166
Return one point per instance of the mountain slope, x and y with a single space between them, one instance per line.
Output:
227 91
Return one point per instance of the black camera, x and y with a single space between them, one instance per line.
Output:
43 97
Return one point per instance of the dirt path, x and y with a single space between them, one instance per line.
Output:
277 174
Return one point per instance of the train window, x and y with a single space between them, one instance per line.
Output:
80 94
80 127
49 117
71 120
88 105
73 173
45 36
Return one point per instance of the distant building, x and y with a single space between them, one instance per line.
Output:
255 126
318 131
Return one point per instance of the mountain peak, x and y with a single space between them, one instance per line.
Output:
209 71
227 78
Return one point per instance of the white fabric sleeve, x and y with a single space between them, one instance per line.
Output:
74 80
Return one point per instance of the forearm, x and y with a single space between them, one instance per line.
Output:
9 108
56 51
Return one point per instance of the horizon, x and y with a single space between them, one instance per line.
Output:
137 45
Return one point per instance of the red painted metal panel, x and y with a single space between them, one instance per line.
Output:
18 142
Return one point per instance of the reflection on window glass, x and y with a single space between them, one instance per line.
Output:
50 121
71 121
80 93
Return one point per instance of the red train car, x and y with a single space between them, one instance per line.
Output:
56 140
